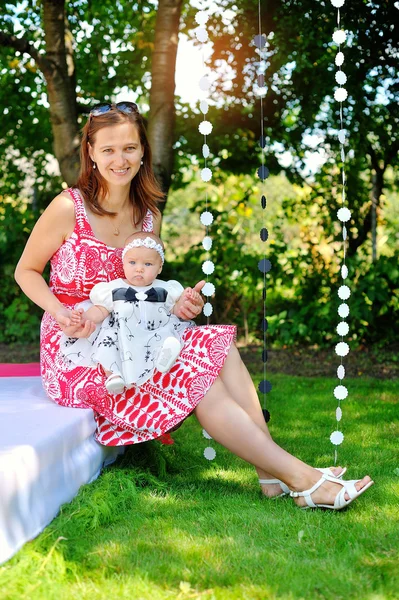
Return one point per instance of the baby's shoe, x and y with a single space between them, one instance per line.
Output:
115 384
169 352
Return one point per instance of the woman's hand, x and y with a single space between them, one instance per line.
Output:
71 327
190 303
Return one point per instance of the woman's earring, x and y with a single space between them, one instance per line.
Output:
142 162
94 165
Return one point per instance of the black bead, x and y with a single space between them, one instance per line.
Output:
264 356
266 415
263 172
264 234
263 201
265 386
264 265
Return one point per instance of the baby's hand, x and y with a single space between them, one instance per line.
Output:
76 316
77 330
190 303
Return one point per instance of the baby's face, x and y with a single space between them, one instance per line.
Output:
142 265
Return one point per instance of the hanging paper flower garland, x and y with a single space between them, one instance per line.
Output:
344 215
264 265
206 218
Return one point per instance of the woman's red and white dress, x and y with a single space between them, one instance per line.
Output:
141 413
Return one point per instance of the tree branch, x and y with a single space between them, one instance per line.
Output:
25 47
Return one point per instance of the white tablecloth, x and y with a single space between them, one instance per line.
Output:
46 453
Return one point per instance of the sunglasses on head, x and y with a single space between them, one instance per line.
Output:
104 107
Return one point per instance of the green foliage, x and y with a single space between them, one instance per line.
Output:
20 318
305 250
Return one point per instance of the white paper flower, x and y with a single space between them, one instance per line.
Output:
208 267
340 94
204 106
337 3
208 289
339 59
342 349
205 150
340 77
205 127
201 34
340 392
207 242
341 372
208 310
342 136
338 414
344 214
204 83
209 453
344 292
342 328
344 271
343 310
206 174
206 435
336 438
344 233
201 17
206 218
339 36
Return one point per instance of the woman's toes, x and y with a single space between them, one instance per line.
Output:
336 470
359 485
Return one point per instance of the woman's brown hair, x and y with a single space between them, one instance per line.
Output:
145 192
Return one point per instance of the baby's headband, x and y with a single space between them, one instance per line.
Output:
147 243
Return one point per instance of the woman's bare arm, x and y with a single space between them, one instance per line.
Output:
51 230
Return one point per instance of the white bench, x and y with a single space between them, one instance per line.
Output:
46 453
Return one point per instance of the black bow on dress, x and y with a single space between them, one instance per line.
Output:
130 294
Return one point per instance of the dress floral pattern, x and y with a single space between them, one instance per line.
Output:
140 413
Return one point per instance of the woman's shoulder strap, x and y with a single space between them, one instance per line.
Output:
148 223
80 212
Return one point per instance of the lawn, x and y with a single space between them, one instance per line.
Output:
165 523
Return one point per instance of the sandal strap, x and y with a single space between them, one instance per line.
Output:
268 481
306 494
283 486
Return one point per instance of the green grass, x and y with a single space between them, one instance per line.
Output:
165 523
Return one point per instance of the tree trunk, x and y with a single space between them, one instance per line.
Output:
61 91
162 96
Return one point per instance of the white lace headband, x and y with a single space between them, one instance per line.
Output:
147 243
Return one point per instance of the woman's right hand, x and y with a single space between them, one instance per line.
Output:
74 330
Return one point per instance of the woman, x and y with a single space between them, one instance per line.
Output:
82 233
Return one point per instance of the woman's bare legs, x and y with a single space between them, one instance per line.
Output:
239 385
229 424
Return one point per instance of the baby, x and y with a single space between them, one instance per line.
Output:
139 332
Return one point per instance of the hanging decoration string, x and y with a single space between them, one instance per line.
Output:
344 215
264 265
206 218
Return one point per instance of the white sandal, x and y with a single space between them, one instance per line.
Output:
348 487
286 489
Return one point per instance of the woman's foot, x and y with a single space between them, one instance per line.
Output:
327 493
274 490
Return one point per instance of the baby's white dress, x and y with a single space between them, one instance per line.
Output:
129 340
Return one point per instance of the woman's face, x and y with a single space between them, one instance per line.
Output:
117 152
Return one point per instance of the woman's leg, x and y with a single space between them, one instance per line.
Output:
239 385
229 424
